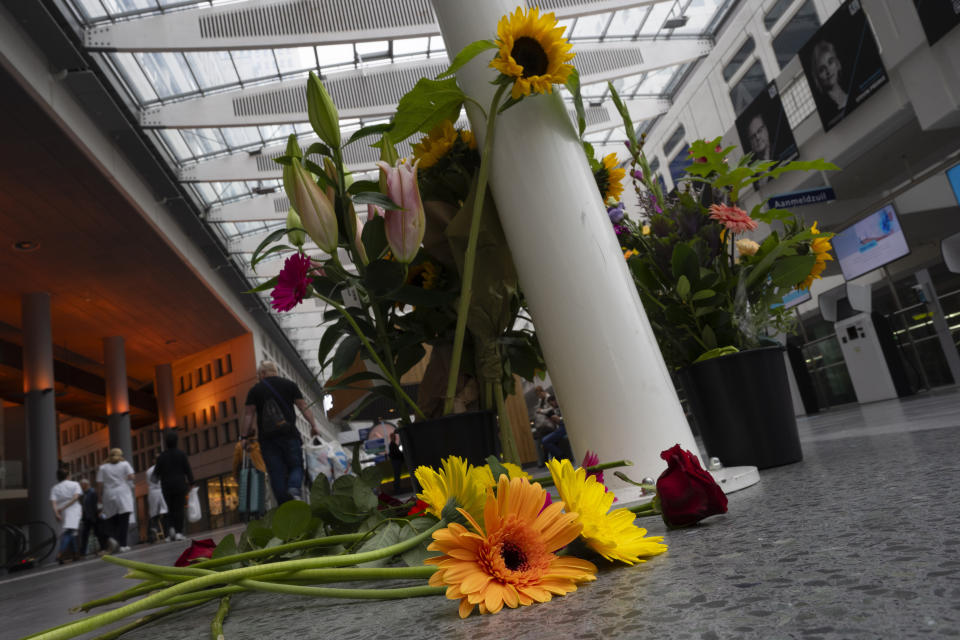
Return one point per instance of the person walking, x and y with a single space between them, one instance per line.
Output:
172 470
115 487
65 500
156 506
396 459
271 403
551 441
90 518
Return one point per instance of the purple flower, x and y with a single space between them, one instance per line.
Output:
615 212
627 142
620 230
637 174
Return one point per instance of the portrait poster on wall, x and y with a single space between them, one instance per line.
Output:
937 17
842 64
764 130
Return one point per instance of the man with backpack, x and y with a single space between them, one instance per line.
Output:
271 401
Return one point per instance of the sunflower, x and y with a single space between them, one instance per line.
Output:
609 177
613 535
436 144
457 480
532 51
510 560
425 275
821 248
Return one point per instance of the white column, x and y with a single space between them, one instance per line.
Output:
41 411
118 396
611 381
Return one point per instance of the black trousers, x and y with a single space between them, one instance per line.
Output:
117 526
176 502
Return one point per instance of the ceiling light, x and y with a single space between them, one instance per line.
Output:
675 23
26 245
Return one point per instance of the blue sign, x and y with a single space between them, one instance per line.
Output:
802 198
953 175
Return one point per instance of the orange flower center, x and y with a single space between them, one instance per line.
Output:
530 55
514 554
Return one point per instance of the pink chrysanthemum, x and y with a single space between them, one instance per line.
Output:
292 283
735 219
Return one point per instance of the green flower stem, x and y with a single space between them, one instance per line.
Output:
216 626
646 509
470 258
233 575
509 443
126 594
373 354
147 619
363 594
204 596
279 549
547 481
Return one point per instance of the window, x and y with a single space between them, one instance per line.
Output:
214 437
186 383
738 59
186 424
218 367
226 432
233 404
749 87
679 163
195 443
223 408
206 439
775 13
213 413
795 33
206 370
229 365
674 139
200 379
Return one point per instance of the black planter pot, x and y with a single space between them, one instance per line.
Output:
742 407
473 435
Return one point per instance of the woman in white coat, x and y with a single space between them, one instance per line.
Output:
156 505
115 487
65 500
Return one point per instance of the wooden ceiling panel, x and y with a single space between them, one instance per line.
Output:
109 272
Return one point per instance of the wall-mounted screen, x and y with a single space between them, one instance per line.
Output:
795 297
842 64
953 175
870 243
937 17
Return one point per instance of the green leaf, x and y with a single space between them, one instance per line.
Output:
573 86
683 288
467 54
429 103
269 284
497 468
364 497
374 237
227 547
370 130
684 262
642 275
383 277
291 520
277 248
259 533
355 462
322 112
790 271
624 114
385 536
372 477
716 353
703 294
327 342
408 357
272 237
363 185
345 355
419 297
709 337
377 198
414 557
354 378
318 149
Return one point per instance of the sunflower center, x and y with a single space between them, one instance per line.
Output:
513 556
530 55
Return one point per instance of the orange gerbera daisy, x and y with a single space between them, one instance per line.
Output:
510 560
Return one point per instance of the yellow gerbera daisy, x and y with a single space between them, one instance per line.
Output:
821 248
456 479
484 475
510 560
609 179
613 535
533 52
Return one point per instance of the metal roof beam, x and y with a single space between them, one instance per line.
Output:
244 166
297 23
373 92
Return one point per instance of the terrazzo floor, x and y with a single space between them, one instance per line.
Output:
860 540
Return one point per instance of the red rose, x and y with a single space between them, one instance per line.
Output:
686 493
197 551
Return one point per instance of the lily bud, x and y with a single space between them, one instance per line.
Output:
322 112
311 204
296 237
404 228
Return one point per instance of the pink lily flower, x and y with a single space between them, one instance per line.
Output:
404 227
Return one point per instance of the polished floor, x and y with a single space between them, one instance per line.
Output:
860 540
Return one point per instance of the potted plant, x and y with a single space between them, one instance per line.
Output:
714 296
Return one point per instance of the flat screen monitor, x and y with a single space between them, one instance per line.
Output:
870 243
953 175
795 297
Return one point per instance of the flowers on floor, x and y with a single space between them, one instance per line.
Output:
197 551
510 559
686 492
